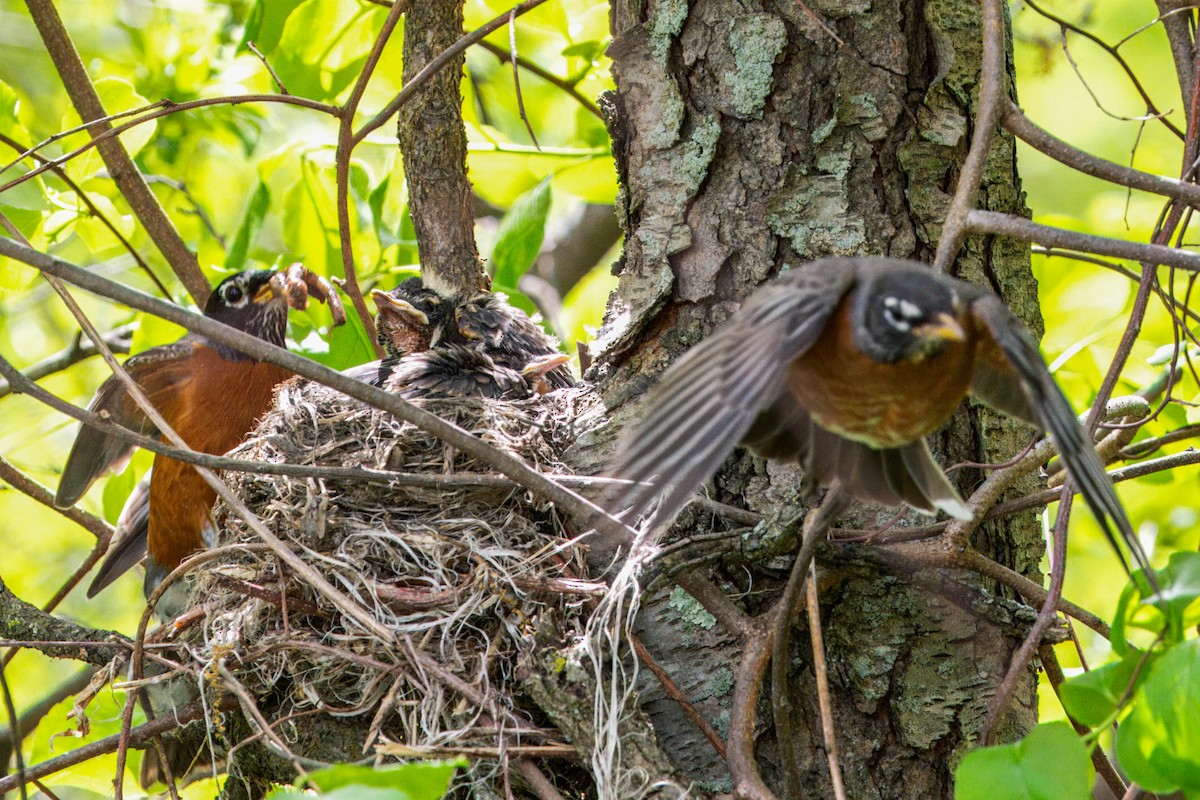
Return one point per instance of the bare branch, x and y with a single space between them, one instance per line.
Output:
993 96
1047 236
1020 125
57 638
120 165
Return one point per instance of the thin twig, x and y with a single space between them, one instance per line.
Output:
549 77
821 671
447 56
992 96
270 70
1047 236
1016 123
109 744
345 147
13 725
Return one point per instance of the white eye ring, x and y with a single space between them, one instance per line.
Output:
901 314
234 295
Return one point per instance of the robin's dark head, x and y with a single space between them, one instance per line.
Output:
409 318
906 316
252 302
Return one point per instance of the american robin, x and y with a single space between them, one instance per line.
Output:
505 333
452 370
211 394
844 364
481 335
409 319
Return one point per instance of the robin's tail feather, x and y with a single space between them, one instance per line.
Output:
129 540
1056 416
891 476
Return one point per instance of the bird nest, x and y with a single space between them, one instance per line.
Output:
460 570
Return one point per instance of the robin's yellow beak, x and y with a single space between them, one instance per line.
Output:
266 293
385 301
943 327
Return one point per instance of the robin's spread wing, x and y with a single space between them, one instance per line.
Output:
995 383
159 371
129 539
707 401
1055 415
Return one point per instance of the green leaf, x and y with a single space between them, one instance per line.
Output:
152 331
247 232
419 780
1092 698
1171 612
589 50
520 235
1051 763
265 25
1159 742
321 66
348 344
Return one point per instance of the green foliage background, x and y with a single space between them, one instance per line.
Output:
252 184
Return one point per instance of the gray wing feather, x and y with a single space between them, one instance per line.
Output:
1055 415
708 400
129 539
95 451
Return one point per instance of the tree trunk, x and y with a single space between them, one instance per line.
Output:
748 138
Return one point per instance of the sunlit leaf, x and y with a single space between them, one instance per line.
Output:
1159 742
265 25
252 222
1092 697
520 236
419 780
1051 763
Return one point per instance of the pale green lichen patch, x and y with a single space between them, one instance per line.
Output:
666 21
756 42
689 611
822 131
721 683
813 212
698 154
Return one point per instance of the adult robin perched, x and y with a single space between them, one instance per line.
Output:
211 394
844 364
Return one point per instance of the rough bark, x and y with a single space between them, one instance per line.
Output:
747 140
434 145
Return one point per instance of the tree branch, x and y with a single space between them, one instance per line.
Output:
120 165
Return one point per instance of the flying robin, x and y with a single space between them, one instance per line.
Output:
844 365
211 394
